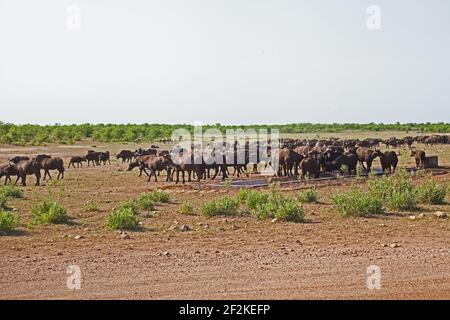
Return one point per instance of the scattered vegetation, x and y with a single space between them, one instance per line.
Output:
271 205
8 221
308 196
431 192
3 204
11 192
186 208
49 211
123 218
356 202
91 206
159 196
224 206
396 191
146 201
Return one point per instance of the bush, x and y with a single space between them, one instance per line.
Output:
308 196
252 198
91 206
431 192
186 208
8 221
3 204
123 218
355 202
281 208
11 192
146 201
49 211
396 191
224 206
159 196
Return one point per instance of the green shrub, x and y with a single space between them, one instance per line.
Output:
252 198
431 192
3 204
308 196
11 192
146 201
91 206
159 196
50 211
224 206
355 202
186 208
8 221
396 191
280 207
123 218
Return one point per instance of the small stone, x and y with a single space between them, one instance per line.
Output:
420 216
166 253
274 220
412 218
140 223
394 245
125 236
384 245
440 215
185 228
78 237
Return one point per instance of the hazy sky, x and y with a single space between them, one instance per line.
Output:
228 61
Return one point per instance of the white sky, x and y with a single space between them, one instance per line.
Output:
227 61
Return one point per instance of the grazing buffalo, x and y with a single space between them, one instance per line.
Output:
348 160
48 164
156 164
104 157
419 156
148 152
137 163
7 170
311 167
27 167
125 155
78 160
93 156
18 158
389 161
367 155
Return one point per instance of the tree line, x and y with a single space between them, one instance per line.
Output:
32 134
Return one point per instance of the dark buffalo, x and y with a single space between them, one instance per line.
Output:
389 161
104 157
78 160
7 170
18 158
311 167
125 155
27 167
48 164
93 156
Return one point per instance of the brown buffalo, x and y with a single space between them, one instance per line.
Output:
419 156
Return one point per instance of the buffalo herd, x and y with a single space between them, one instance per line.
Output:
296 157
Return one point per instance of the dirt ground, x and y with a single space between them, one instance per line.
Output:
220 258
